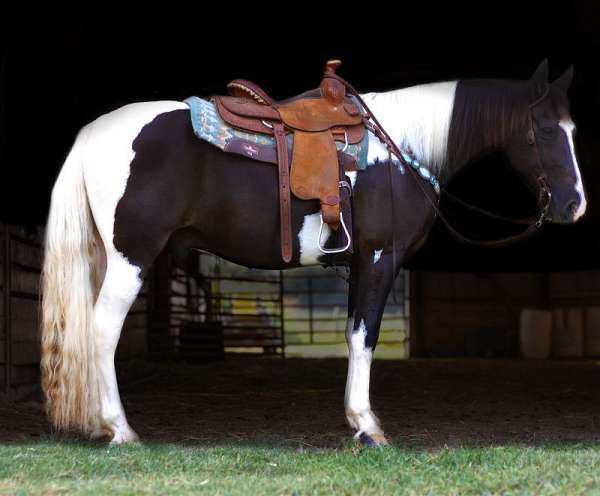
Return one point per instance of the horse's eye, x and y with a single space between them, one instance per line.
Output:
548 131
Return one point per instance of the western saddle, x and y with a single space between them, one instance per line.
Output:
316 119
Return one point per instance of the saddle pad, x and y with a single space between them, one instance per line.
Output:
209 126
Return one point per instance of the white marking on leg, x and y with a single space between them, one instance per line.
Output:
308 237
377 256
568 126
119 290
358 406
106 166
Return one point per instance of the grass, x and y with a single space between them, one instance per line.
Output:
69 467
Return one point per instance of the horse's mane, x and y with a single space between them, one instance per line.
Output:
442 123
499 108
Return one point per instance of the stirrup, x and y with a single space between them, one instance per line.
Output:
334 250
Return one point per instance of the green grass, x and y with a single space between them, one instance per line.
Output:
68 467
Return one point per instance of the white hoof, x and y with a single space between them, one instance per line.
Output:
115 435
367 427
124 435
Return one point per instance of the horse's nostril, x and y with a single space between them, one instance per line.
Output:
572 207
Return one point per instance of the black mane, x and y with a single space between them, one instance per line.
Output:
486 113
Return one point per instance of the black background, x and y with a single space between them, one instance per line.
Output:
62 67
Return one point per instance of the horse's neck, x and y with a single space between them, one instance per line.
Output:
485 116
447 125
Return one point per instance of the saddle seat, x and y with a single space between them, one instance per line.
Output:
317 119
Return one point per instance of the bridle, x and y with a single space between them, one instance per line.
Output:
544 194
544 197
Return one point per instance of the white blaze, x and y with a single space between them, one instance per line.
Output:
568 126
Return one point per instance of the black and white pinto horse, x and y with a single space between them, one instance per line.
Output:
138 177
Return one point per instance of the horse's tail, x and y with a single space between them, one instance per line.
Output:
69 378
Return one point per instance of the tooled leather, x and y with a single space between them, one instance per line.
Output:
315 171
317 122
316 114
285 216
249 117
240 122
248 108
244 89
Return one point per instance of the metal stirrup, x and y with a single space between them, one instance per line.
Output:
334 250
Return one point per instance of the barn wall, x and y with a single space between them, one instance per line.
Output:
20 264
20 257
477 314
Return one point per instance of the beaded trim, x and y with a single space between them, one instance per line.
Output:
423 171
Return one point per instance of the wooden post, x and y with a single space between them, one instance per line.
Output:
281 313
545 291
415 318
311 326
7 319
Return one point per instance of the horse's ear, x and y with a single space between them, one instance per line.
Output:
541 73
564 81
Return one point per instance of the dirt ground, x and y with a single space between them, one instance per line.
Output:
421 403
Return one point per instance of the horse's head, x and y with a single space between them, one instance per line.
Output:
543 151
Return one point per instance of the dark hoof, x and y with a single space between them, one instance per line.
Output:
102 436
367 440
372 441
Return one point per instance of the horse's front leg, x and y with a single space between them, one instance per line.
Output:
371 280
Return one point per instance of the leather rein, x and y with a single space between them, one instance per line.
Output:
533 223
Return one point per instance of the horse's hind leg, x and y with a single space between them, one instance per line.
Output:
119 290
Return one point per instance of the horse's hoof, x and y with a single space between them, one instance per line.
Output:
102 435
127 435
372 440
113 437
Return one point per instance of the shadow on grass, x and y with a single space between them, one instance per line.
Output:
298 404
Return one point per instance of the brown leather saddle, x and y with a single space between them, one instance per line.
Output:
317 119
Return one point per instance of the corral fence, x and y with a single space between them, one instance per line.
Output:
316 303
215 307
211 307
204 309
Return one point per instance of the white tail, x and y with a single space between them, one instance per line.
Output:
69 377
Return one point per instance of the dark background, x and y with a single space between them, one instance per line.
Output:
62 67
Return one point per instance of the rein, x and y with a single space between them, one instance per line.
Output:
533 223
544 197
